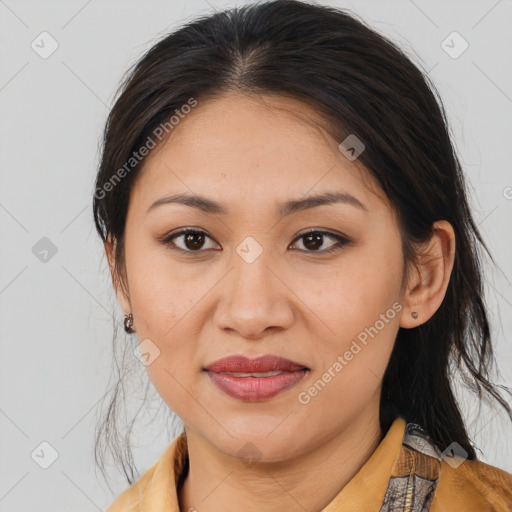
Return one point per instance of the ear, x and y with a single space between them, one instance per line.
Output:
123 299
429 280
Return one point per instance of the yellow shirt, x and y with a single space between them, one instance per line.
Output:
406 473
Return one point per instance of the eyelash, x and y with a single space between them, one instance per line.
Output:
341 240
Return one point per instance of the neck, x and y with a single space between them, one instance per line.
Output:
218 482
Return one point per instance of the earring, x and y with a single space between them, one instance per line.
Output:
128 322
414 314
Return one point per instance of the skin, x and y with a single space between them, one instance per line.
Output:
251 154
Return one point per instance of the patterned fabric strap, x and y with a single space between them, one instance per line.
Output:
415 473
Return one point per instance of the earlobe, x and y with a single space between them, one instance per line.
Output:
430 280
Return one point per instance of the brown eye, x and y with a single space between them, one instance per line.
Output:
193 240
315 239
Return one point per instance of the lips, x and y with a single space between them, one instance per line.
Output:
242 364
253 380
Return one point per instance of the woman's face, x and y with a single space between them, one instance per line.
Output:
251 285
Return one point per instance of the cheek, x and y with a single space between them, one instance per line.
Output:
360 306
167 310
352 358
167 307
355 294
161 294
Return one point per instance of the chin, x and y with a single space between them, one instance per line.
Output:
259 445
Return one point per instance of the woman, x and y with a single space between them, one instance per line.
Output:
289 236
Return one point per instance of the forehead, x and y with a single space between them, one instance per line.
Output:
258 146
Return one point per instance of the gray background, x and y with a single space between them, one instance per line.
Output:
56 315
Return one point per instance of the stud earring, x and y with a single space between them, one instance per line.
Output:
414 314
128 322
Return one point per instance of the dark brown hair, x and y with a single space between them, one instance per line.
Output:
360 83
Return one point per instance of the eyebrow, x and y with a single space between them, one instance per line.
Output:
287 208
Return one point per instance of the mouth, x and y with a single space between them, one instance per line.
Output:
253 380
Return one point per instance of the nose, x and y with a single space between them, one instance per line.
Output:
255 299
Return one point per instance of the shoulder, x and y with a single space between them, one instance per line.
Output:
473 486
156 488
129 499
